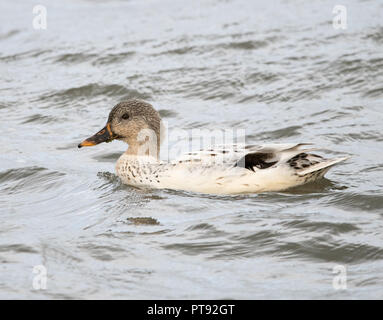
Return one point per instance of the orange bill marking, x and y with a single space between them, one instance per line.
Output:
87 143
109 129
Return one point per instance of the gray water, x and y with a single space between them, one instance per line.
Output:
278 68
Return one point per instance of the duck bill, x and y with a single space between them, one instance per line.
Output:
104 135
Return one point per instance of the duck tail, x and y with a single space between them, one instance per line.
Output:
321 167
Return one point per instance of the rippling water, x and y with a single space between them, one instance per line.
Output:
277 68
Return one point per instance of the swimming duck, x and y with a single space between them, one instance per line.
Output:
221 170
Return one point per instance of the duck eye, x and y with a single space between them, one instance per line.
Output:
125 116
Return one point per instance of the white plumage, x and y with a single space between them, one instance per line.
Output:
218 170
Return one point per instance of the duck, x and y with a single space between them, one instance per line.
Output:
222 169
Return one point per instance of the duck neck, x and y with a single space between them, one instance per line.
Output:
143 149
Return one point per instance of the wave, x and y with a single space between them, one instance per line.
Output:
29 178
92 90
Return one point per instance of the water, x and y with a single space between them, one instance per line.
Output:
276 68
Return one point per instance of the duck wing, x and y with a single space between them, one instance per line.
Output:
296 158
247 156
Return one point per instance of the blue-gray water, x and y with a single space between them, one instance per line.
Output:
277 68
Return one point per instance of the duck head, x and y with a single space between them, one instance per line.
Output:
133 121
